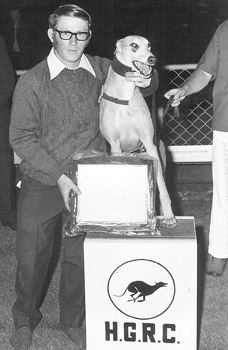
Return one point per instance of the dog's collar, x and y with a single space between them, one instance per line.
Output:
114 99
119 67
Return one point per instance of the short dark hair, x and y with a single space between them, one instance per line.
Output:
70 10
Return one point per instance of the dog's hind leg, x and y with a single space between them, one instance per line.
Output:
105 146
162 155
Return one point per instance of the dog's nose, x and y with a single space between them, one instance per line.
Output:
151 60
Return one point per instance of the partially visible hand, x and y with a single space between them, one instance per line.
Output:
138 79
179 95
66 185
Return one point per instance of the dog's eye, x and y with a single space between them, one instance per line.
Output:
135 46
149 46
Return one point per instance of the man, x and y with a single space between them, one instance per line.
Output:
7 197
214 66
55 114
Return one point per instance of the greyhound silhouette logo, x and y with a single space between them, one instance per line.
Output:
142 289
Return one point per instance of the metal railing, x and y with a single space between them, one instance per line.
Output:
188 137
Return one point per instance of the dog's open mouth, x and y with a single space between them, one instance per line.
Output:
145 69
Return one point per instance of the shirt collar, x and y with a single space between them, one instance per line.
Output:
56 66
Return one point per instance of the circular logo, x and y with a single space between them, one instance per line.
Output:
142 289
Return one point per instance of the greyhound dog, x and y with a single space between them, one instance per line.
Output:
140 289
125 120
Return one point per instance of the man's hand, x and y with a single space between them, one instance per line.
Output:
197 81
139 80
179 94
66 185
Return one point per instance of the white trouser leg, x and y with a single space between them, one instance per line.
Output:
218 233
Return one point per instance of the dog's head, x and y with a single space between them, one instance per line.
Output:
135 51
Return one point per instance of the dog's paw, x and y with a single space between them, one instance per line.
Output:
170 222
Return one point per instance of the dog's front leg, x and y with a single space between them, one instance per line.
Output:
169 218
115 148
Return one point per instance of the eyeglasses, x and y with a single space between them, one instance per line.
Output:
80 36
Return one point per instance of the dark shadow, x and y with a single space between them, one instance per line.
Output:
170 176
54 259
201 262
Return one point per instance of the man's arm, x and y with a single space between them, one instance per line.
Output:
24 128
197 81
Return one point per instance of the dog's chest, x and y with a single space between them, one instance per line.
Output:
126 109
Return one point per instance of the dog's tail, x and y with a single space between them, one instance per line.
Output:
118 296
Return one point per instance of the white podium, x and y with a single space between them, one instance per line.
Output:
141 291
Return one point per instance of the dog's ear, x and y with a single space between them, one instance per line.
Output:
118 46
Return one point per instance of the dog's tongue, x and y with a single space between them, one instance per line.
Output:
144 69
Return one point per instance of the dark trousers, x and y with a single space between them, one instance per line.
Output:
39 209
7 197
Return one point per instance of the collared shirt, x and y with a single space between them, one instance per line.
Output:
56 66
215 62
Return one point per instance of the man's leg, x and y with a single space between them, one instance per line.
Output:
72 289
7 198
218 233
38 209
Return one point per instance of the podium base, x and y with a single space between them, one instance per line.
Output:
141 291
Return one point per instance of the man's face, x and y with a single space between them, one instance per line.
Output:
70 51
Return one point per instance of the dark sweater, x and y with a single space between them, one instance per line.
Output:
51 120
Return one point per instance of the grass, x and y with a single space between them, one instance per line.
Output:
195 199
190 200
46 336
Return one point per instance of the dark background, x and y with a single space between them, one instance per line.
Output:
179 30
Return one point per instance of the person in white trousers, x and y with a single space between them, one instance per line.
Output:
214 66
